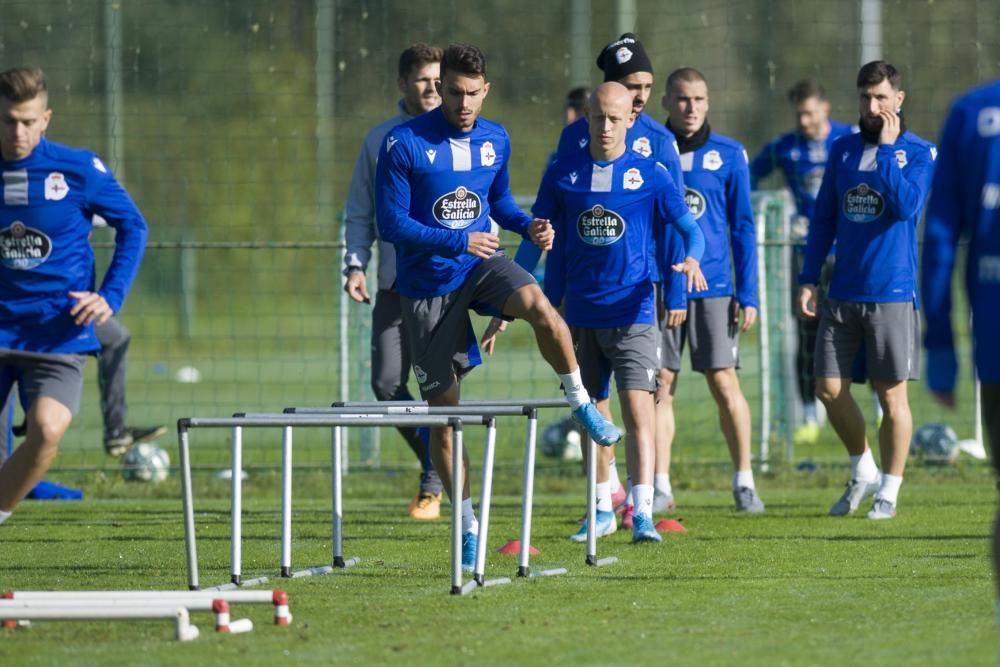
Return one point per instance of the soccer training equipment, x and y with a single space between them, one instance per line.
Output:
935 444
145 463
855 493
561 439
600 429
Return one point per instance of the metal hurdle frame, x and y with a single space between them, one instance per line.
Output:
185 630
530 409
286 422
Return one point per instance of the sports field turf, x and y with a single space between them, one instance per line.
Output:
792 587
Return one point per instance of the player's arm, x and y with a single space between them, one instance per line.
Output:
392 205
763 164
107 198
675 283
743 232
906 190
944 226
671 209
819 239
359 222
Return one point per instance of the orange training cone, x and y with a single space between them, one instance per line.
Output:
671 526
514 547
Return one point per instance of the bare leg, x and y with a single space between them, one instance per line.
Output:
665 424
639 414
843 412
897 426
47 421
734 414
553 337
441 447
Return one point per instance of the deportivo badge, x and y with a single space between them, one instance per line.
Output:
632 180
642 146
901 158
712 161
487 156
623 55
56 187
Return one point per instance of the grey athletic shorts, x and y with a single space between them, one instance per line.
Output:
890 333
58 376
629 352
713 332
442 343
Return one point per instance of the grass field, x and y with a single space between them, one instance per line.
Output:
791 587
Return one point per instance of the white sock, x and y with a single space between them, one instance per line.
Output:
576 393
809 413
661 483
743 478
613 478
863 467
604 497
469 522
4 516
643 495
890 487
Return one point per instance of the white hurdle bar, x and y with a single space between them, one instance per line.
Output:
498 408
379 414
285 421
191 600
185 631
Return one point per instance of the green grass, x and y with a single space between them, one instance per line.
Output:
792 587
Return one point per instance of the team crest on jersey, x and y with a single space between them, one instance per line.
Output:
458 209
623 55
632 180
431 154
598 226
390 141
794 155
487 156
56 187
901 158
22 247
712 161
863 204
695 202
642 146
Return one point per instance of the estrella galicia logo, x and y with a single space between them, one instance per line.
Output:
695 202
22 247
458 209
863 204
600 227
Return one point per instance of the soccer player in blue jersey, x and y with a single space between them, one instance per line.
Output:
717 190
440 177
870 201
604 206
50 304
801 157
965 204
419 73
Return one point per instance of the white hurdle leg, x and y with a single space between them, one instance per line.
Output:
337 451
592 558
485 501
456 509
236 508
527 503
188 503
286 501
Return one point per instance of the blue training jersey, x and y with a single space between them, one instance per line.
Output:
604 215
717 191
49 199
434 186
802 161
965 203
870 204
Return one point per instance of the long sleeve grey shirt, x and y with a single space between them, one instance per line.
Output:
361 231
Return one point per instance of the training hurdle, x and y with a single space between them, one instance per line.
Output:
287 422
530 409
185 630
215 601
